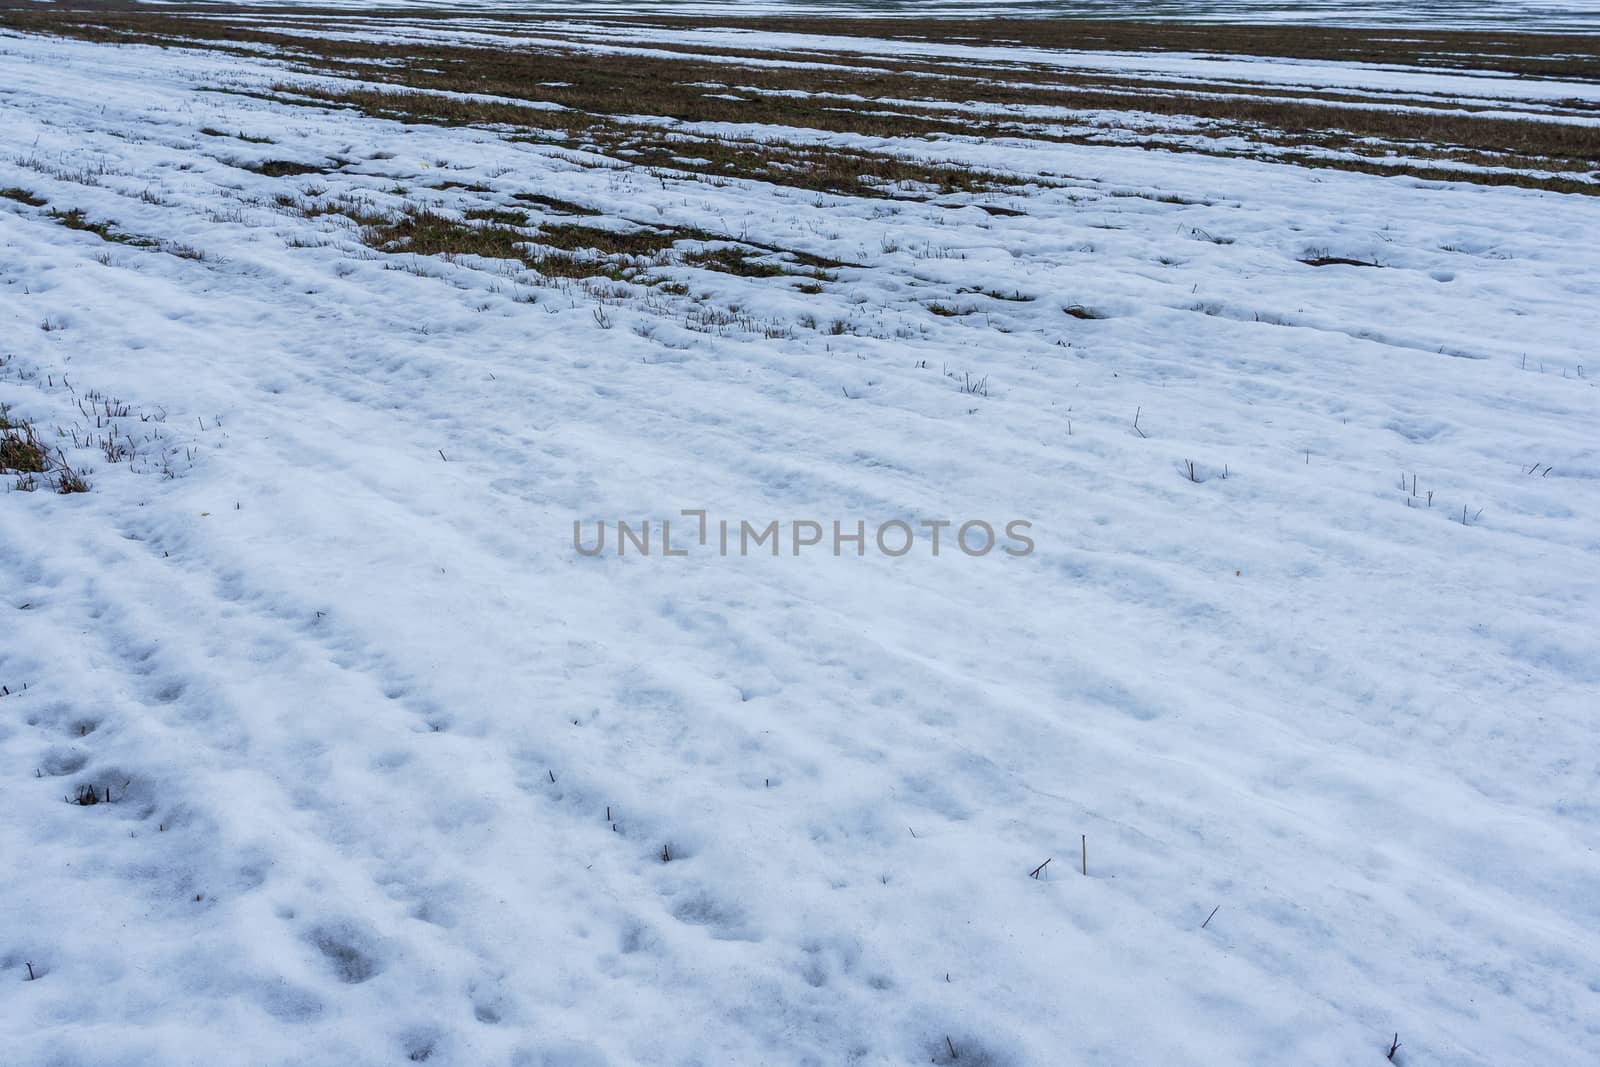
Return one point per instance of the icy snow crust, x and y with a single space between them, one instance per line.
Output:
397 775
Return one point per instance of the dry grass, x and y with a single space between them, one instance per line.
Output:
21 452
23 196
833 170
288 168
562 250
76 219
728 259
31 461
428 233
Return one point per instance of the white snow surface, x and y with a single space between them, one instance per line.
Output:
394 768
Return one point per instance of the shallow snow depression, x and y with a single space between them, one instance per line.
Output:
383 769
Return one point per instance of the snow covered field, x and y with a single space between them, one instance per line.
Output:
1296 692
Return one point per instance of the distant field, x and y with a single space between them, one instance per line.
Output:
1531 15
1493 108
